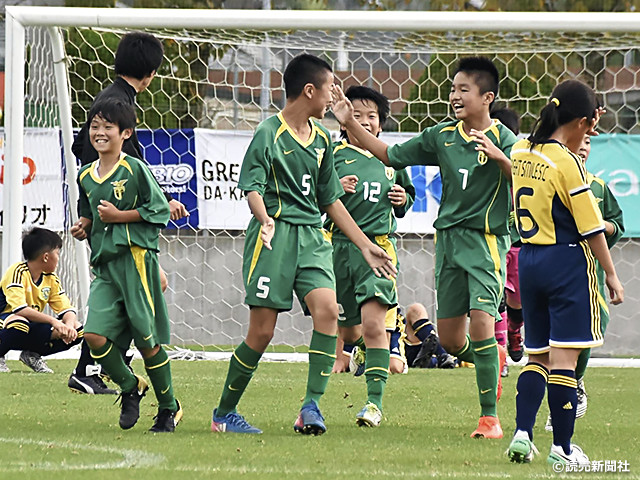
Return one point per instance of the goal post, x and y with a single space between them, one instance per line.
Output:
222 74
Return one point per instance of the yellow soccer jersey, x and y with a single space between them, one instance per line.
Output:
552 198
18 290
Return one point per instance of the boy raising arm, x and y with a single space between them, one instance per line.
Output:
472 225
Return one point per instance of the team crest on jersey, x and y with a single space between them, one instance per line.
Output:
44 293
389 172
320 154
482 158
118 188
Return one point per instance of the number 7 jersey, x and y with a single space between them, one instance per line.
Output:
294 177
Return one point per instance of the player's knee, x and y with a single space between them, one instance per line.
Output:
94 341
149 352
373 331
415 312
396 366
327 313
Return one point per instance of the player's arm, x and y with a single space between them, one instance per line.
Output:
64 310
343 111
493 152
402 194
34 315
612 214
80 230
258 209
600 250
375 256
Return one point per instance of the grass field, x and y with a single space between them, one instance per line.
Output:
48 433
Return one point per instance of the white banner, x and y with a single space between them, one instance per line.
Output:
221 205
43 204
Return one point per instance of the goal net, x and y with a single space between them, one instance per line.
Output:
222 75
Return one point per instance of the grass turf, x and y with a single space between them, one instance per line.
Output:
48 433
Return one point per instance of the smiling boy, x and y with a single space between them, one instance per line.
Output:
472 225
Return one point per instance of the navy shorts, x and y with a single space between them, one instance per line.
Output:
559 290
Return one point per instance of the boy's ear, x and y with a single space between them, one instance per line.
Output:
127 132
308 90
489 97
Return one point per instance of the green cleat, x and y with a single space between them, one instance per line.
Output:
521 449
369 416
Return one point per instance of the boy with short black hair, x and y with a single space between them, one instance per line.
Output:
288 176
373 195
137 59
472 224
122 210
26 288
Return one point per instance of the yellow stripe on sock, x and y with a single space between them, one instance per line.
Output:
376 368
157 366
318 352
242 363
104 354
479 349
563 380
537 369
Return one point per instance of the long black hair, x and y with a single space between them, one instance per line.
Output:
569 100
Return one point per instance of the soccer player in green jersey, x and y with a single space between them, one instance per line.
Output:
472 233
614 229
121 211
373 195
288 176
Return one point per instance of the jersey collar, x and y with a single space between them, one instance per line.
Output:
284 127
493 128
94 169
345 144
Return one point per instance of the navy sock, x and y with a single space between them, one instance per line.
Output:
422 329
563 399
530 390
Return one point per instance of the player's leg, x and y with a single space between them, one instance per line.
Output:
20 334
377 363
423 329
397 342
514 307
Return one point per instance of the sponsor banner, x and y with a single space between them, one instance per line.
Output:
43 203
171 159
615 158
219 154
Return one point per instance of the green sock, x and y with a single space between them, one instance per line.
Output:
485 353
321 359
583 360
110 358
159 372
376 372
243 363
360 344
466 354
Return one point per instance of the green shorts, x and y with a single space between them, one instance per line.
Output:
470 271
300 260
356 283
126 301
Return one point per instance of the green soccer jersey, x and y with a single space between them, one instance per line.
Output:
294 177
129 185
370 206
475 193
608 206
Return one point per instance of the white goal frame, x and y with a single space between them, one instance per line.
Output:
19 17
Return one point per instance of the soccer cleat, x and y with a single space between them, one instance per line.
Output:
167 420
357 361
521 449
576 457
581 407
35 362
310 421
427 350
514 342
130 404
369 416
232 422
502 362
505 371
488 427
92 385
446 360
3 366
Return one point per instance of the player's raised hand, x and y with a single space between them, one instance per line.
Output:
267 231
77 231
342 107
349 183
484 144
397 195
616 292
108 212
66 333
594 123
379 261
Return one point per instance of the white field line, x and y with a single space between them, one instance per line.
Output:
129 458
178 353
